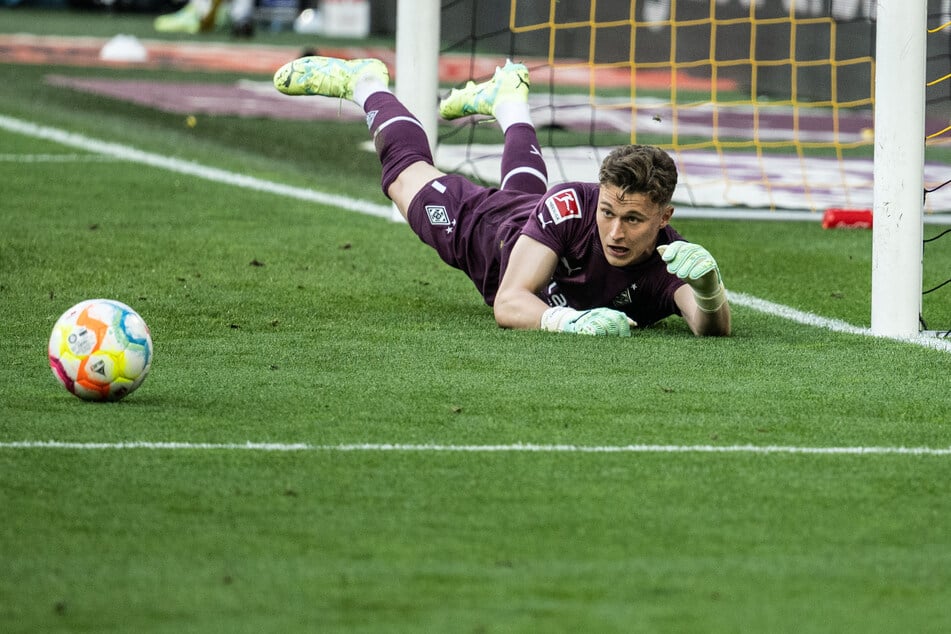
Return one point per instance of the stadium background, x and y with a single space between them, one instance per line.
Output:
486 22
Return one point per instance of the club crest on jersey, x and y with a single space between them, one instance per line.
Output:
437 215
563 205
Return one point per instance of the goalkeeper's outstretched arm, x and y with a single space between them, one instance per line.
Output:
702 300
517 305
530 267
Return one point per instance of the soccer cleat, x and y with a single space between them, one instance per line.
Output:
327 76
185 20
213 17
191 18
509 83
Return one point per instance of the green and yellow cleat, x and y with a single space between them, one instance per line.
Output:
192 19
510 83
327 76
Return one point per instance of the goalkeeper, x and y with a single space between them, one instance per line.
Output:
590 258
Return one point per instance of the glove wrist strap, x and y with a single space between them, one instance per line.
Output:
555 318
711 303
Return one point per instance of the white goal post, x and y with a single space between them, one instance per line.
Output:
417 64
417 60
897 231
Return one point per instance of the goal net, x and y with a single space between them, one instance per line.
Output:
937 241
765 104
768 107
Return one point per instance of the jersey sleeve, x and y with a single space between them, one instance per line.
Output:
563 216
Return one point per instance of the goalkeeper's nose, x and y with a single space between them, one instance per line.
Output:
616 230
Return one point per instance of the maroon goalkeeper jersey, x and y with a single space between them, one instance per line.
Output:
474 228
565 222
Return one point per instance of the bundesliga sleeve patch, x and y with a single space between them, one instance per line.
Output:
563 205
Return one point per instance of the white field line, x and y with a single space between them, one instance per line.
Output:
190 168
55 158
214 174
835 325
513 448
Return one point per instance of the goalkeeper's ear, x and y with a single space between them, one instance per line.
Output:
668 212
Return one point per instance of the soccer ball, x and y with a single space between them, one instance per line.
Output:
100 350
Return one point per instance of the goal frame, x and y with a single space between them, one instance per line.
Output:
899 156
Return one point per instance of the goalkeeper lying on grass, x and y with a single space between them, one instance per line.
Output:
590 258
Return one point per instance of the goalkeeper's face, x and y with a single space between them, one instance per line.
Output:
628 225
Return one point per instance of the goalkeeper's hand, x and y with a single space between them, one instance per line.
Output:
597 321
694 265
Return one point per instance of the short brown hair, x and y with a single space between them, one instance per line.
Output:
640 169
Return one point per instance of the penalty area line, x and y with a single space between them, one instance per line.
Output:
511 448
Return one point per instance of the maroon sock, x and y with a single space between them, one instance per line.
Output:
398 136
523 168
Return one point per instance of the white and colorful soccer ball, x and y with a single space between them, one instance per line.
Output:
100 350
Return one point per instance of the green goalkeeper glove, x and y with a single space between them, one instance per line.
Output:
597 321
694 265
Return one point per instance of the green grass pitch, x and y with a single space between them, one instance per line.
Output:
288 322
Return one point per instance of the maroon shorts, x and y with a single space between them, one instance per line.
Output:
471 227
